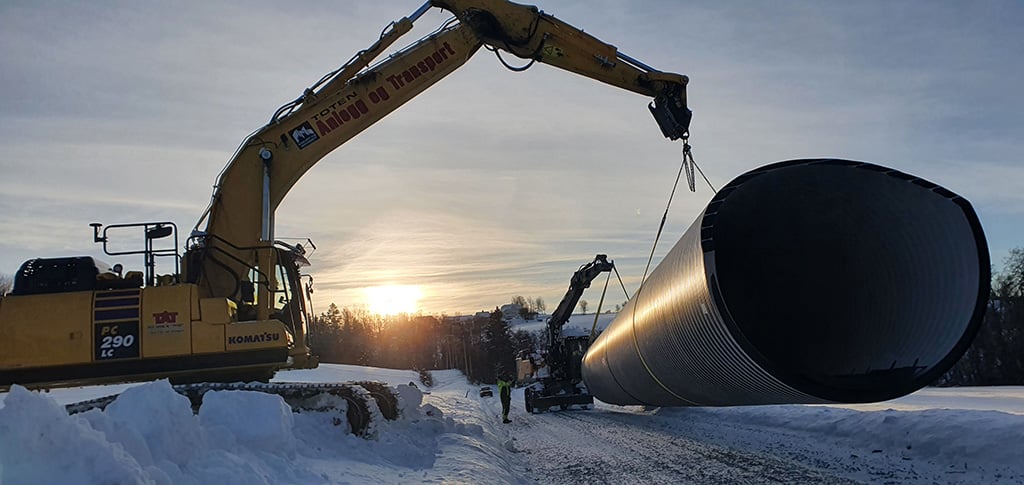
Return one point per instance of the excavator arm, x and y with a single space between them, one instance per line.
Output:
529 33
240 218
562 384
580 281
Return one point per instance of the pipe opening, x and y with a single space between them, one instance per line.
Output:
849 283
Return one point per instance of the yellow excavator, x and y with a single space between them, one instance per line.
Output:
234 307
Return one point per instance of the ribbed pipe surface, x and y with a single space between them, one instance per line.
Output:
806 281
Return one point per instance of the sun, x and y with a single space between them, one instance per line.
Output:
393 299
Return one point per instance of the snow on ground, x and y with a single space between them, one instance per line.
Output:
578 325
1007 399
448 433
149 435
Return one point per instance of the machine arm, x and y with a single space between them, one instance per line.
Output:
357 95
529 33
580 281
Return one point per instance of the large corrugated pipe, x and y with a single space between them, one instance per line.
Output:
806 281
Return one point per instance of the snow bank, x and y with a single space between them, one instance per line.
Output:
42 444
149 435
265 425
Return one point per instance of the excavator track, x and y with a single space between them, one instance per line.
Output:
364 400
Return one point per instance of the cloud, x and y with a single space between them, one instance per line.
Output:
491 183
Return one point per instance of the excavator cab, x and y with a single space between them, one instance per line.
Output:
290 300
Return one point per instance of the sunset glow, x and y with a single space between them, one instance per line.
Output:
393 299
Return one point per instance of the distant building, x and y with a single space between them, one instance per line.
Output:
459 318
510 312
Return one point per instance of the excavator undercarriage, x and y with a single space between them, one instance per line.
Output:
356 404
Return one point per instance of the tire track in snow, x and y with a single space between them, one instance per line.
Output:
594 446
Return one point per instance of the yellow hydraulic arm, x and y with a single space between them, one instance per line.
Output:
357 95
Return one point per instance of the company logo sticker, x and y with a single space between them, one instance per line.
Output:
165 317
165 322
254 339
303 136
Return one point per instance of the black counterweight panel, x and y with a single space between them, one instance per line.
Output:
805 281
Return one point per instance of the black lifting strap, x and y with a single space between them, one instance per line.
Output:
593 329
689 164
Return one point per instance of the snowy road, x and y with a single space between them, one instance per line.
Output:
609 447
766 444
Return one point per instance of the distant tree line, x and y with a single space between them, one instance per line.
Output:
482 347
6 283
997 355
529 307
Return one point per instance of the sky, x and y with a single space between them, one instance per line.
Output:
491 184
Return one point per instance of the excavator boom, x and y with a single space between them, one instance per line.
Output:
357 95
580 281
